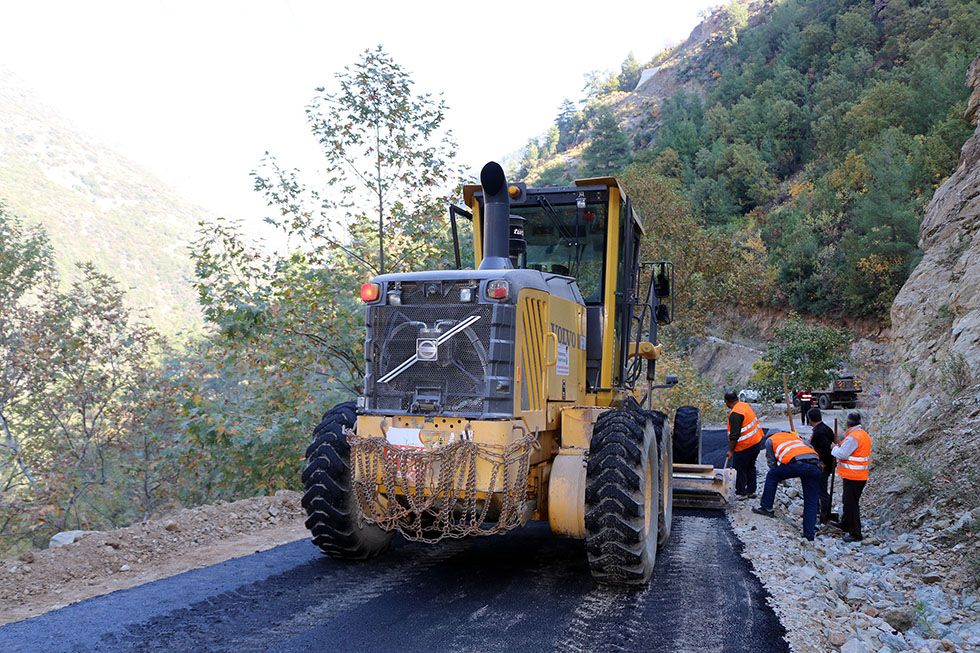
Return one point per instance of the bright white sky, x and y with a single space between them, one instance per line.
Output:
197 90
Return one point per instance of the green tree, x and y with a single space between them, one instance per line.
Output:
609 150
734 17
568 123
711 268
289 326
551 140
810 356
530 159
384 147
629 74
79 386
882 242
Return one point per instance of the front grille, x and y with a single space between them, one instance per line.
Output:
455 383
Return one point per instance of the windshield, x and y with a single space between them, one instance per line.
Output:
566 240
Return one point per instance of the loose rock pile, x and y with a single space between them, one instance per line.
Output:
887 593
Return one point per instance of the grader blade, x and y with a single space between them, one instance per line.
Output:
703 486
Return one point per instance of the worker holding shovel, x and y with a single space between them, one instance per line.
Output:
789 457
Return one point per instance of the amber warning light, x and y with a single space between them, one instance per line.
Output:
370 292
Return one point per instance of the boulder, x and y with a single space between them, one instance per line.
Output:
854 646
901 618
66 537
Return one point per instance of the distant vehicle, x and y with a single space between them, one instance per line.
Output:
842 391
748 395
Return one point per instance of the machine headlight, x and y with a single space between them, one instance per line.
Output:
466 295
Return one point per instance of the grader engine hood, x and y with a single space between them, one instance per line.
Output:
443 343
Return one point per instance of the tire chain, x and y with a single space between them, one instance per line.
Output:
445 504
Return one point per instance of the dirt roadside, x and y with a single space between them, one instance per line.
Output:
103 562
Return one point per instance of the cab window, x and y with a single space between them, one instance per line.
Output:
567 240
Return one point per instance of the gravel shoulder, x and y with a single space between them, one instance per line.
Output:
895 591
103 562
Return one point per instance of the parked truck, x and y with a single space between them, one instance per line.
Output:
842 391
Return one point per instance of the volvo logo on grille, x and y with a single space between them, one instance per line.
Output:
427 349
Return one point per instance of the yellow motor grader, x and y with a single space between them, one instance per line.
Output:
507 393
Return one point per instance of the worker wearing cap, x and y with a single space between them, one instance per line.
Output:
853 456
806 403
789 457
744 436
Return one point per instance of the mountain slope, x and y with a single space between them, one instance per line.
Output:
98 206
820 126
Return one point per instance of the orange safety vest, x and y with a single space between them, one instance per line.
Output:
855 467
751 431
787 446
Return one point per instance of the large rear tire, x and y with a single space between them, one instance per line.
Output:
328 498
824 402
622 498
687 436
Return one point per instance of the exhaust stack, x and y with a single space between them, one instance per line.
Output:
496 219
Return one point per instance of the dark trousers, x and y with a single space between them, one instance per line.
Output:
805 406
850 519
809 475
825 497
744 464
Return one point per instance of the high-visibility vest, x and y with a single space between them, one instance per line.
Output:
787 446
751 431
855 467
806 396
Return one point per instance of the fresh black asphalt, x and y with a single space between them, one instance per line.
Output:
527 590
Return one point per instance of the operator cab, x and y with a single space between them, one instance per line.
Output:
567 231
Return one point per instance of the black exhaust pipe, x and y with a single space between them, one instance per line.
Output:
496 218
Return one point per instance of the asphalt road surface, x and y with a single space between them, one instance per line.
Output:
524 591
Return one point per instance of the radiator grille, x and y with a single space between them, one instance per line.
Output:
532 389
457 381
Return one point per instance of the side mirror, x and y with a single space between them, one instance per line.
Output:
662 281
670 380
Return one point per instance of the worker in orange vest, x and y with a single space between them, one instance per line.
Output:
744 436
789 457
853 456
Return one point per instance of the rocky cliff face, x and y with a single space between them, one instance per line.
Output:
936 315
926 462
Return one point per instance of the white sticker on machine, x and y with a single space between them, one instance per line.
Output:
561 364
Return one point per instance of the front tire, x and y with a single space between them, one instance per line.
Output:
622 498
328 497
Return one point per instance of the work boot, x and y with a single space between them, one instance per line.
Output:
853 538
835 524
759 510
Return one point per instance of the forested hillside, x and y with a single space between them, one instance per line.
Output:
822 127
98 207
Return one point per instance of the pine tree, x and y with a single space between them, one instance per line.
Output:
609 150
